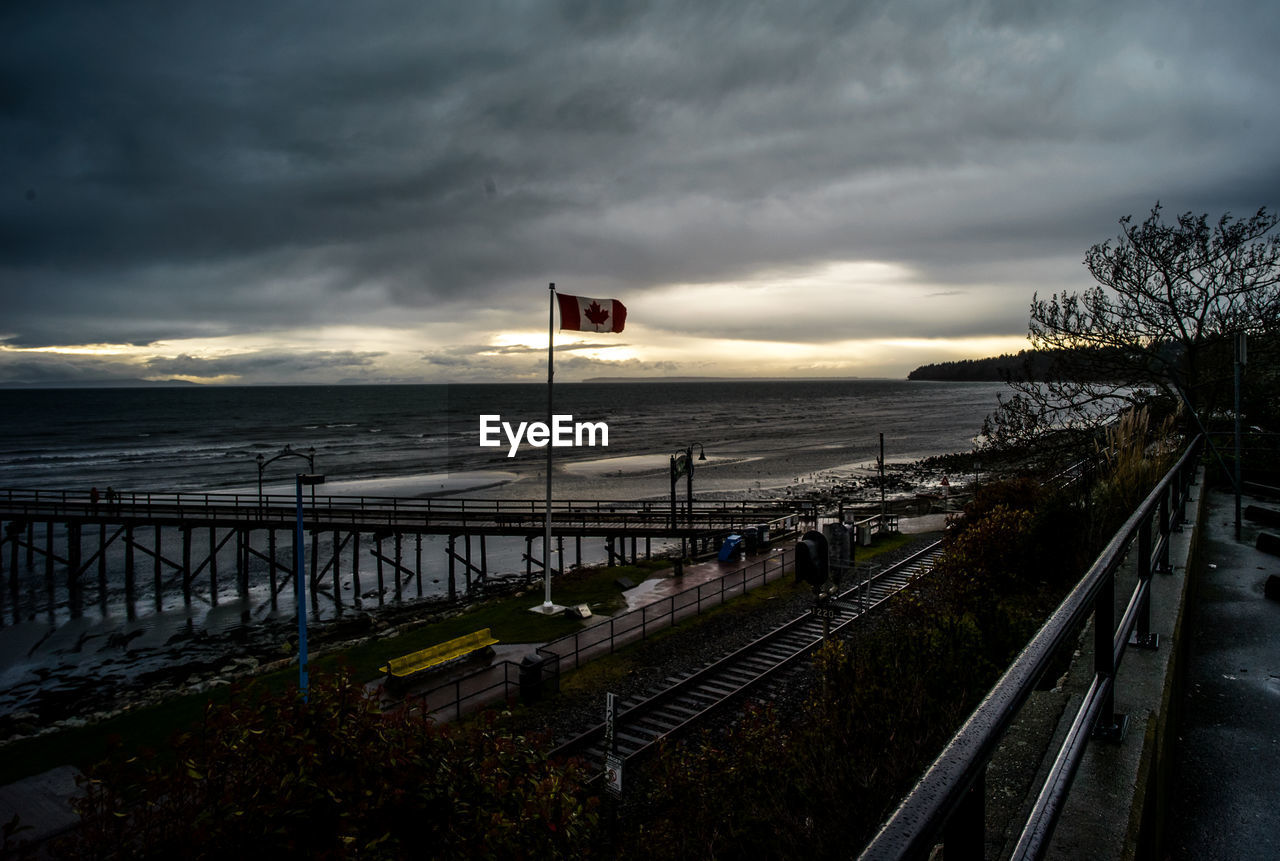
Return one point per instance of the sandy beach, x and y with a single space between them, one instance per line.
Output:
92 663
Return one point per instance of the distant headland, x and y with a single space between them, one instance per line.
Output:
723 379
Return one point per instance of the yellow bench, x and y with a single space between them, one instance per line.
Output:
400 669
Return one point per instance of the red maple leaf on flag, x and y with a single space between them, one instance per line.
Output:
596 314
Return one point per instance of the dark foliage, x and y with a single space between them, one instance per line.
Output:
1025 364
817 782
272 776
1157 330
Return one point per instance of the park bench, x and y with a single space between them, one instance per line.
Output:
399 670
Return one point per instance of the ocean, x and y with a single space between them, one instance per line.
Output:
401 440
761 440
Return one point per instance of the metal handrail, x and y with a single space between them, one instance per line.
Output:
674 603
399 504
373 512
949 795
619 626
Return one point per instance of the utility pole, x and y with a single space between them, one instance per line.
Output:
1241 358
881 462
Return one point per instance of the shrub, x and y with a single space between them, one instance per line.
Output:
334 778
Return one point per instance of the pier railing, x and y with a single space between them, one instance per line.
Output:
453 699
375 511
947 805
80 498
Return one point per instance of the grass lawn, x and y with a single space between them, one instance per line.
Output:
617 665
508 618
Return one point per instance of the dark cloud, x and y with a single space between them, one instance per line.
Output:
585 366
59 371
284 365
264 366
484 363
513 349
192 170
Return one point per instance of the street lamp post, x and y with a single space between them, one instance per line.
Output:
300 578
309 456
682 461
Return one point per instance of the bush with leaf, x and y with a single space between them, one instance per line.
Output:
335 778
818 781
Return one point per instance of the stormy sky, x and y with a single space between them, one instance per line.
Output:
323 192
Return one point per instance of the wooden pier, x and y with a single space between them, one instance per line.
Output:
137 549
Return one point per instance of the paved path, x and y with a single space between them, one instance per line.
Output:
1226 789
474 686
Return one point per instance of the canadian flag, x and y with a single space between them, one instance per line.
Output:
583 314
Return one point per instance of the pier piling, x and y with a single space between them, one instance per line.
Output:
130 586
161 526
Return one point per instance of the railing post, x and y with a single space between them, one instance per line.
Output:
965 835
1142 637
1186 479
1110 726
1165 529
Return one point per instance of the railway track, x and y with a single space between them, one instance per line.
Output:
690 698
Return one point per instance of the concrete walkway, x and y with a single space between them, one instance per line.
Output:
1116 795
43 803
1226 787
1197 776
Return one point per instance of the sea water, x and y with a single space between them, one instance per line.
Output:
208 439
760 440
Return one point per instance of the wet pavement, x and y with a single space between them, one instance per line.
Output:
667 583
658 596
1226 788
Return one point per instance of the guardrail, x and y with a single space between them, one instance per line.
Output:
948 803
466 697
636 624
875 524
468 693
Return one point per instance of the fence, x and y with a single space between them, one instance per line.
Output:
948 802
452 700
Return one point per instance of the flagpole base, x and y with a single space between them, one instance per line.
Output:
547 609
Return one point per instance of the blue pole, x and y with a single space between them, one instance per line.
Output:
300 578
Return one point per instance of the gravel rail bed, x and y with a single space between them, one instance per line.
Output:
646 666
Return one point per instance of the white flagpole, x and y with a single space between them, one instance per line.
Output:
547 606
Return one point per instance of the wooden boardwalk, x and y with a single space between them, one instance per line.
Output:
180 539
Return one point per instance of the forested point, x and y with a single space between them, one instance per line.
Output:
992 369
1079 362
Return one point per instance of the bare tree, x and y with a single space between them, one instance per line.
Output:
1168 302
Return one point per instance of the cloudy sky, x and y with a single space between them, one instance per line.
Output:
331 192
